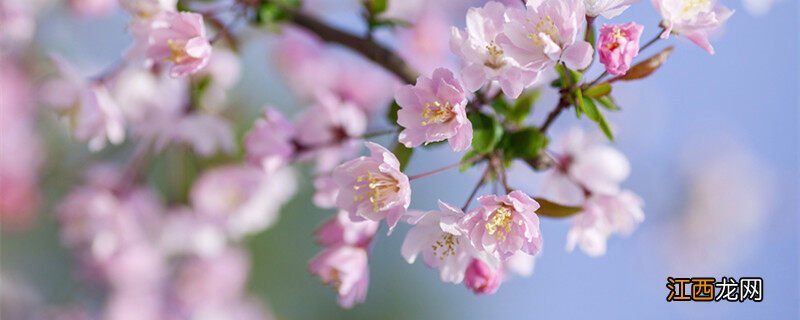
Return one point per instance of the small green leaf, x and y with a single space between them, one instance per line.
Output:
578 102
376 7
500 105
403 154
522 107
554 210
593 113
525 144
391 114
486 132
600 90
608 103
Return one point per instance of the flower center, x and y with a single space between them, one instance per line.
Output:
692 7
380 187
495 57
617 35
336 279
436 113
499 224
546 26
177 51
445 246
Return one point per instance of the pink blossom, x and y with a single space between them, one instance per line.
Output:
373 187
345 268
329 131
424 45
618 45
245 198
223 73
504 225
585 164
310 67
483 279
92 113
442 243
270 143
520 263
326 191
434 110
607 8
545 33
21 154
148 8
341 230
212 280
484 58
602 216
93 7
206 134
104 223
178 38
697 20
187 232
17 23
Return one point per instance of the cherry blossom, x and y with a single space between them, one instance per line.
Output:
504 225
618 45
695 19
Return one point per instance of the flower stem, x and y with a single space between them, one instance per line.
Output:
445 168
477 187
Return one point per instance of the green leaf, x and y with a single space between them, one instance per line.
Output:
525 144
500 105
608 103
391 114
578 102
600 90
554 210
522 107
403 154
593 113
376 7
486 132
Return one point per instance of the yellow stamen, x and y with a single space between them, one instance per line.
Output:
445 246
380 187
436 112
499 223
546 26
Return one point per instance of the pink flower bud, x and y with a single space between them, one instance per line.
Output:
482 279
618 45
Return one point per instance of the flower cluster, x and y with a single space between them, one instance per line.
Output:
178 253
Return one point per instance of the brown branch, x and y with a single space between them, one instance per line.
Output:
364 46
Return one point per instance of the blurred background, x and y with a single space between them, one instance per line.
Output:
712 140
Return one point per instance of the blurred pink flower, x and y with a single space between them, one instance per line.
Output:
484 58
222 73
434 110
442 243
148 8
92 113
328 131
206 134
545 33
373 187
585 164
93 7
178 38
21 154
310 67
341 230
602 216
17 23
345 268
694 19
245 198
618 45
189 233
505 225
424 45
270 143
326 191
212 281
483 279
607 8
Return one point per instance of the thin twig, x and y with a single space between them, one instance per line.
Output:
445 168
477 187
